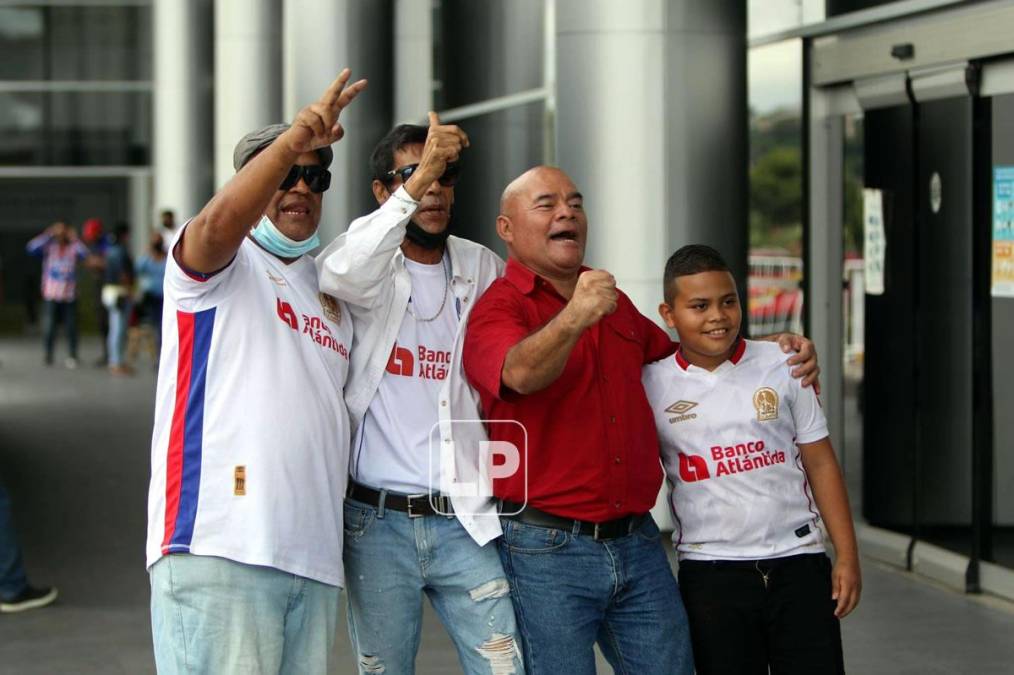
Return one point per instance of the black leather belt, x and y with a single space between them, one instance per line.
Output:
611 529
416 506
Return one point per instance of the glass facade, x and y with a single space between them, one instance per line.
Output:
775 89
75 43
75 128
75 85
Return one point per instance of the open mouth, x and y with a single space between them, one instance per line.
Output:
295 210
564 235
717 332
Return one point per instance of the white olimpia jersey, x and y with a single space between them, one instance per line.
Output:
249 454
728 441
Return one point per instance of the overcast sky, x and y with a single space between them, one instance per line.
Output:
776 71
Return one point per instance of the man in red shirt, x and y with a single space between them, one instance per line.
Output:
555 346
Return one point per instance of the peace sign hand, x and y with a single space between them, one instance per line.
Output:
316 125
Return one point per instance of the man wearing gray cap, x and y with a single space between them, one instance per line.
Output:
250 444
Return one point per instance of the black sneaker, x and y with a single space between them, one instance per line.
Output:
30 598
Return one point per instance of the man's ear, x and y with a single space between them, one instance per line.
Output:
380 191
504 228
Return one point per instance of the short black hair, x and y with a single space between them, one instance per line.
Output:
382 159
691 259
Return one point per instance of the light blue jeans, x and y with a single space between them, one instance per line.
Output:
117 339
216 616
391 560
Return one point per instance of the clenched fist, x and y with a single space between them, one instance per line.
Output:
316 125
594 297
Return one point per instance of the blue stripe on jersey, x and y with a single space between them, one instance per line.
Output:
204 324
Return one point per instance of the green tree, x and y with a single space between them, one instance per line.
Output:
776 188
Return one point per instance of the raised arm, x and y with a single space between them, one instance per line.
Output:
534 363
214 235
356 264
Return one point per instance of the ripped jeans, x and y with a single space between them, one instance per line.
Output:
391 560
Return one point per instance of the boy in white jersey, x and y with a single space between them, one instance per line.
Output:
251 436
746 450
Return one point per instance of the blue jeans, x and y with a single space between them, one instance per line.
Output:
571 591
212 615
65 313
117 339
391 560
12 572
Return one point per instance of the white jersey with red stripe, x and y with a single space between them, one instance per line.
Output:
249 456
729 445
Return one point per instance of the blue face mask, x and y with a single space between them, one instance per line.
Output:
273 241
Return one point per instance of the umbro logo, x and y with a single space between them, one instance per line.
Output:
681 409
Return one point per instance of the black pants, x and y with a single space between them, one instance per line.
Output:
747 615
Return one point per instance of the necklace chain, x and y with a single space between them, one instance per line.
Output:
440 310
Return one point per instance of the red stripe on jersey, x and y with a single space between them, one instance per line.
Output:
737 353
681 360
174 462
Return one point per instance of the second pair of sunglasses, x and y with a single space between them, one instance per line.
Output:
317 178
448 179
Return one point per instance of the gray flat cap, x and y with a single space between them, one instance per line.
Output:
255 141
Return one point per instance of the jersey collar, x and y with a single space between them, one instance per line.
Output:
737 355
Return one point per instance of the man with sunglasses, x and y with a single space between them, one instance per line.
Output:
250 444
410 286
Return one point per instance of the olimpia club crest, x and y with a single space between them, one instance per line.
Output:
332 310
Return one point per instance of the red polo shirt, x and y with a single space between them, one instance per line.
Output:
593 451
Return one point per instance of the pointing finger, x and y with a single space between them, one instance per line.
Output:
434 120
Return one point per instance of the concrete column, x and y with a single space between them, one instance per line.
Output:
139 211
498 53
248 74
320 37
182 105
413 60
651 124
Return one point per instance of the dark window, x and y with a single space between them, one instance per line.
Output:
75 43
75 128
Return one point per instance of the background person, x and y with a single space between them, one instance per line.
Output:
97 242
117 293
60 252
150 278
16 594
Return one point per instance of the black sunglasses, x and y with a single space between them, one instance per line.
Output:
449 179
317 178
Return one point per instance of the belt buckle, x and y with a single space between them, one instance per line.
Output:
595 534
409 499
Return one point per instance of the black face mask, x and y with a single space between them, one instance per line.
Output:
427 240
